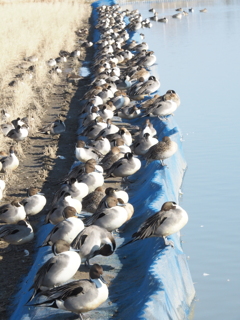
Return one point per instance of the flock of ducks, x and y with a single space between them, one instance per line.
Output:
55 65
84 213
180 13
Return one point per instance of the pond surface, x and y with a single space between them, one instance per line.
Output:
198 57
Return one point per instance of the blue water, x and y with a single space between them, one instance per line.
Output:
198 56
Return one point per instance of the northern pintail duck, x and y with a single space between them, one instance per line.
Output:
141 46
148 87
80 169
179 9
111 218
102 144
119 194
57 270
73 78
140 72
17 234
51 62
66 230
105 113
130 112
163 108
110 129
148 128
93 241
12 212
123 134
75 54
124 167
10 162
55 214
84 153
93 129
203 10
54 128
19 133
120 143
111 157
91 178
143 144
164 20
162 150
82 295
177 16
77 190
34 203
92 200
91 116
6 128
169 220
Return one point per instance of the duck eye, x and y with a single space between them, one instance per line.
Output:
174 203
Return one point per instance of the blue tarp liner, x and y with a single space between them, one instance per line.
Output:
149 281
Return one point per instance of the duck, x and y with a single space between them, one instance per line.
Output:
80 169
57 270
203 10
84 153
105 113
162 150
148 128
164 20
143 144
54 128
17 234
124 134
34 203
118 194
148 87
51 62
77 190
110 129
148 60
163 108
92 178
130 112
19 133
124 167
73 78
92 241
141 46
111 157
91 116
112 217
120 143
66 230
9 163
169 220
191 10
83 295
12 212
92 200
55 214
93 129
177 16
102 144
6 128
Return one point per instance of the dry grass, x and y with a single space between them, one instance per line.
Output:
34 28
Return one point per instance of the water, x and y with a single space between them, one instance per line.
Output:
198 57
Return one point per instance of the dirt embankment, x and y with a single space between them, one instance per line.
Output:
42 167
